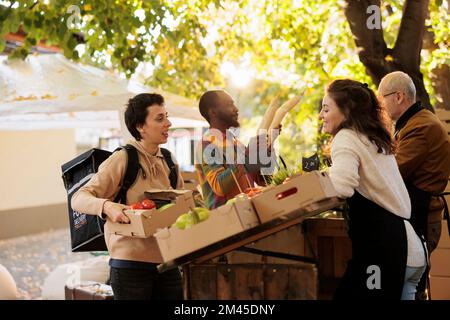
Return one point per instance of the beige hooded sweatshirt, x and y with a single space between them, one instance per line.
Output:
104 186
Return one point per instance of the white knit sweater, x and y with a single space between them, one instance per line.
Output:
358 166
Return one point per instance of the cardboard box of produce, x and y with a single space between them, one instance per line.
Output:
310 192
222 223
440 288
144 223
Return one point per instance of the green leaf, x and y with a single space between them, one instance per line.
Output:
27 24
14 24
72 43
118 53
31 41
61 32
39 21
2 45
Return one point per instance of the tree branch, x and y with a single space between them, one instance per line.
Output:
409 43
33 5
370 42
410 36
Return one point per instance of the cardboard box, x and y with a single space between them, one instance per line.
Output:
440 262
308 192
144 223
440 288
444 240
222 223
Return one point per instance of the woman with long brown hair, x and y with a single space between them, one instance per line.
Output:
365 173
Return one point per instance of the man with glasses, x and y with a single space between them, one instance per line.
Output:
423 154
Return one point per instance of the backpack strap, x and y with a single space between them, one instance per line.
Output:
133 167
131 173
173 176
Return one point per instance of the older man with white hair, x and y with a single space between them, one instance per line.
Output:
423 153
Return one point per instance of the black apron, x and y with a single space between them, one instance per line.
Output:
378 239
420 203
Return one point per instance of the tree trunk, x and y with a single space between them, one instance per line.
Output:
380 60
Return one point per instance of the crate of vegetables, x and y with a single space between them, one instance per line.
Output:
302 192
159 210
200 227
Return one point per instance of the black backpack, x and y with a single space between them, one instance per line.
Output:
87 231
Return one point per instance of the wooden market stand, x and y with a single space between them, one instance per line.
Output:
207 279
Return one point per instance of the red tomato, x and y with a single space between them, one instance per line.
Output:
148 204
137 206
252 191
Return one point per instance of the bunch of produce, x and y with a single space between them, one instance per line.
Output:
148 204
145 204
284 174
283 111
275 114
194 216
270 113
247 194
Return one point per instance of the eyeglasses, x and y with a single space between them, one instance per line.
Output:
385 95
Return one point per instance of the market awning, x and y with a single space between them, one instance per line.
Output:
50 91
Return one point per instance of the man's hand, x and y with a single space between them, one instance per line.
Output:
115 212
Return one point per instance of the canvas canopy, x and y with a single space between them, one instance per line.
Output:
50 91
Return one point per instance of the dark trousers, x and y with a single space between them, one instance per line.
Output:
146 284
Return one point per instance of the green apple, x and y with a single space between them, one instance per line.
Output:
202 213
166 206
231 201
182 221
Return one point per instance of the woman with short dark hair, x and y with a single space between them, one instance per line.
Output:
364 172
133 260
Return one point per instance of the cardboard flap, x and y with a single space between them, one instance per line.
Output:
144 213
157 194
